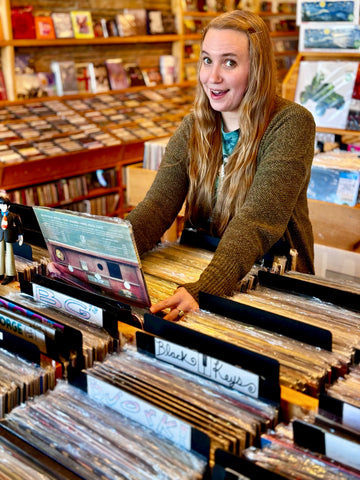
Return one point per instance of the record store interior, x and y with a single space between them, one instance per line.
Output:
180 240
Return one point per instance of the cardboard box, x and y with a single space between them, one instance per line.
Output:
337 264
138 182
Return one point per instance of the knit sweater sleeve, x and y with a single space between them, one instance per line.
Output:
275 206
155 214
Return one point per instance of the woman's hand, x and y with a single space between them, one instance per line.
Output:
179 303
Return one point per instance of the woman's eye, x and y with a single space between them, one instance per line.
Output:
230 63
207 60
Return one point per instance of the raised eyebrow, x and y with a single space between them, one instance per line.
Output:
224 55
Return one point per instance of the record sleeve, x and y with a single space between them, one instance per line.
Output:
98 253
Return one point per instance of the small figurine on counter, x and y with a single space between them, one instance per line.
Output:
11 231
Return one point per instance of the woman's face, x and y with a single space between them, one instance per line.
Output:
224 69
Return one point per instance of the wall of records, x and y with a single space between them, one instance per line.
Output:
258 385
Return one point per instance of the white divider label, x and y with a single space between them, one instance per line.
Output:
221 372
72 306
142 412
342 450
351 416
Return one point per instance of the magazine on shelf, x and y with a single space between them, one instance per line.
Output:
94 252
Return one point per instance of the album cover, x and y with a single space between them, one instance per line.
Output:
27 85
117 75
152 76
85 75
65 77
82 24
325 88
62 25
155 22
134 74
47 83
112 28
22 21
140 16
328 11
168 21
333 37
126 25
100 251
98 28
44 27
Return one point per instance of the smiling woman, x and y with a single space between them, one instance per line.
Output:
241 161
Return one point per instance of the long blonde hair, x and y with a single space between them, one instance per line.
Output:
254 114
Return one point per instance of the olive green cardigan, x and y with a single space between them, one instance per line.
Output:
275 207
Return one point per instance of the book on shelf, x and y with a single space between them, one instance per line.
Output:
134 74
85 75
140 16
22 22
82 24
126 24
65 77
117 75
62 25
44 27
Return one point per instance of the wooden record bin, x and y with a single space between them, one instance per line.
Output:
334 225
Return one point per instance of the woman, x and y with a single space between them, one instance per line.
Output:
241 161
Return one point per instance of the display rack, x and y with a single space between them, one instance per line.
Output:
334 225
144 48
131 48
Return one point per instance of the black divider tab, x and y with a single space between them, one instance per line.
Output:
231 467
267 369
20 346
273 322
327 293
